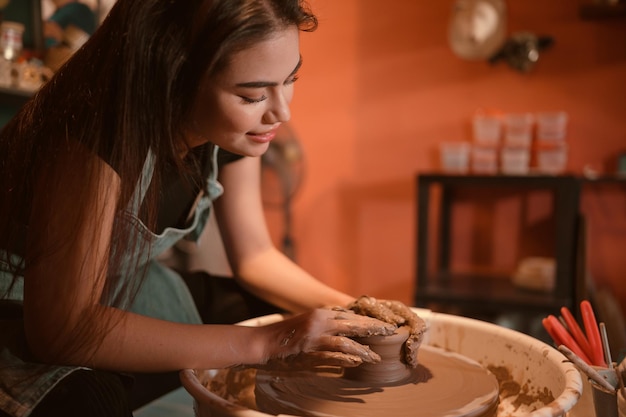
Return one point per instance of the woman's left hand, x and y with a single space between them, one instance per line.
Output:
397 313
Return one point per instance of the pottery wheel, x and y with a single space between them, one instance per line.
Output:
444 384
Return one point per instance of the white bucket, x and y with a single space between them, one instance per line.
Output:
533 365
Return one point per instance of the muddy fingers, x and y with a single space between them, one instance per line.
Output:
369 306
396 313
348 323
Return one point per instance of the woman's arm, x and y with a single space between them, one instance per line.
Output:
257 263
65 323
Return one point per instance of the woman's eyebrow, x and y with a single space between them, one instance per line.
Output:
263 84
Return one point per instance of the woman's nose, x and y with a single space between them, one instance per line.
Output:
279 111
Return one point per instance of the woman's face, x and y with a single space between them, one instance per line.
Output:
240 109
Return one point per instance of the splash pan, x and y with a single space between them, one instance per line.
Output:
534 380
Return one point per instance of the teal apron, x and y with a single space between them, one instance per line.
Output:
163 295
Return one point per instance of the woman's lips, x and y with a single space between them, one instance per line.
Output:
262 137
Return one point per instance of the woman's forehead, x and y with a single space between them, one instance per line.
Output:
275 56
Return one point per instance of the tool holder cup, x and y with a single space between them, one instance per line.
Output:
604 401
621 402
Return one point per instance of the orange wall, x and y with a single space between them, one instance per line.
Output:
380 89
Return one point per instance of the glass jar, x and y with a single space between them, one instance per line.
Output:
11 40
10 50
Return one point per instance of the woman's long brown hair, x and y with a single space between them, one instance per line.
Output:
128 90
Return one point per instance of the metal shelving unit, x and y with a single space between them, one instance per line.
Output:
478 292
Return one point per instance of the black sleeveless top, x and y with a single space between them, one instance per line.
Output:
179 191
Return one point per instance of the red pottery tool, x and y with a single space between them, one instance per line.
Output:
593 333
565 338
576 331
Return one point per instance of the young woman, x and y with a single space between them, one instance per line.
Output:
116 159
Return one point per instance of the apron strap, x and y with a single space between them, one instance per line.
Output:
214 188
142 183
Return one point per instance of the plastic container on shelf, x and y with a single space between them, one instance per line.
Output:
484 160
515 161
486 129
551 126
518 129
552 159
455 157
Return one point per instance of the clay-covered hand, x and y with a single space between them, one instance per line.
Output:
322 337
397 313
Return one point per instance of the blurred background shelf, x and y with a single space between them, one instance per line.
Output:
14 97
598 10
483 293
486 294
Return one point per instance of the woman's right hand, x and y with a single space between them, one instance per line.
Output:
322 337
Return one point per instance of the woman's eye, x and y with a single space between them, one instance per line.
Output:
250 100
